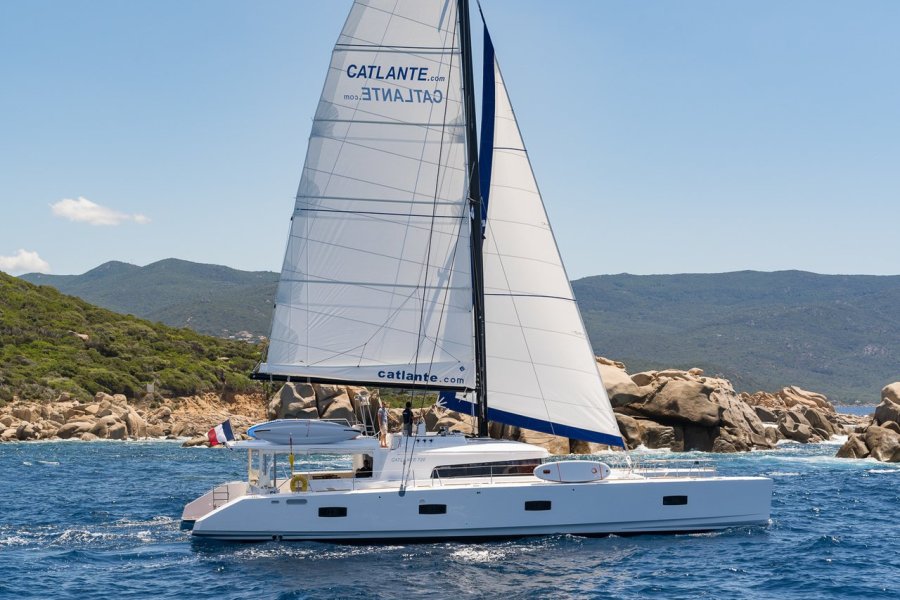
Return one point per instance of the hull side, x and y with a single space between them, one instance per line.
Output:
495 511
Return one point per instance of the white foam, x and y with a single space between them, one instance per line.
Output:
480 555
13 540
836 440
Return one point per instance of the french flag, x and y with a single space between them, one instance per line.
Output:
221 434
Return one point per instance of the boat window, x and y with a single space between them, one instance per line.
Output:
296 501
496 469
537 505
674 500
363 466
432 509
332 511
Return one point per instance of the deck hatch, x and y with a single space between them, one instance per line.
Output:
537 505
674 500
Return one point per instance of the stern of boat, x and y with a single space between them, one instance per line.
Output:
210 501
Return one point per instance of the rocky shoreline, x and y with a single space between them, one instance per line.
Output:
671 409
880 438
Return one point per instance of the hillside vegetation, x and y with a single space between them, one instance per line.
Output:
835 334
210 299
52 343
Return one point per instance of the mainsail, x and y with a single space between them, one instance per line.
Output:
376 285
542 374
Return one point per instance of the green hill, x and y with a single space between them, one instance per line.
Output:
836 334
210 299
52 343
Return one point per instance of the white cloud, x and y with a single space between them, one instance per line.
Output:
24 261
83 210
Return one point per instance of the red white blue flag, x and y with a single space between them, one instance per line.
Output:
221 434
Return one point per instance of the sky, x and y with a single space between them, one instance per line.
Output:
666 136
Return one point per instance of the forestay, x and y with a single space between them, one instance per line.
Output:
376 282
542 374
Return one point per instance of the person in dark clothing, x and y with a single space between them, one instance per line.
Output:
407 419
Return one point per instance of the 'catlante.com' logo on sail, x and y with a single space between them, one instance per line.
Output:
402 375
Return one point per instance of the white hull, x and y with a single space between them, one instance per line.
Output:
495 510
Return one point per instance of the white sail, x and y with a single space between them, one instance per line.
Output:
376 283
541 371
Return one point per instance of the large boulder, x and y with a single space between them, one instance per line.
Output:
74 429
26 431
553 443
887 410
117 431
891 392
741 427
681 402
854 447
883 444
619 386
293 401
26 413
453 424
135 424
818 420
324 405
654 435
795 427
630 429
340 408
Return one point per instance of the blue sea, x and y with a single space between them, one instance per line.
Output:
101 520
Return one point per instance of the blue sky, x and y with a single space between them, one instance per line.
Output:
667 137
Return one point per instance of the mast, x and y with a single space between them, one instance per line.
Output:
477 236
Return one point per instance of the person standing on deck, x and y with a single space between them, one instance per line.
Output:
382 423
407 419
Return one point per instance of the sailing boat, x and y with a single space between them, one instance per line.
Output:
414 262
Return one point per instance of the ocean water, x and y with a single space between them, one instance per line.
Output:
101 520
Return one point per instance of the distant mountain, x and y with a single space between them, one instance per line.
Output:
210 299
52 343
836 334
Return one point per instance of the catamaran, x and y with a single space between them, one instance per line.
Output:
419 260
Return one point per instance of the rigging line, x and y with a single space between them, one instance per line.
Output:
437 184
